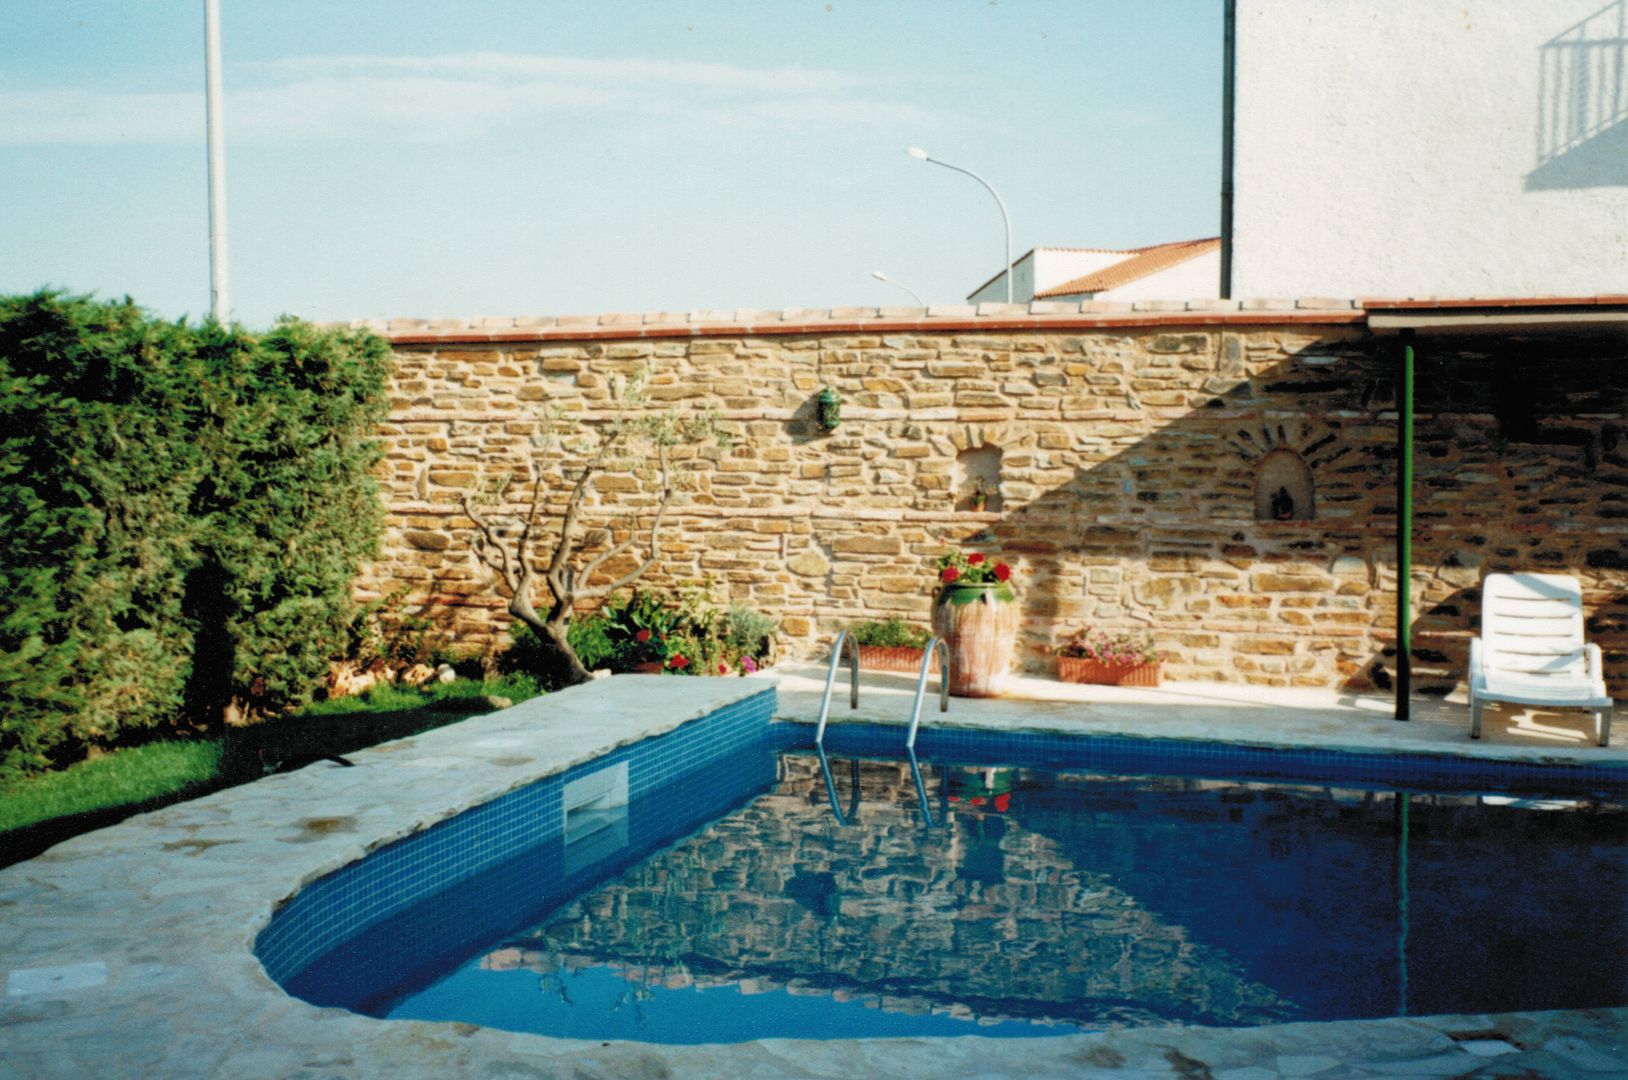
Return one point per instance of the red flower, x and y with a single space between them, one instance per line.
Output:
642 636
948 574
723 668
975 558
1002 571
1002 801
679 660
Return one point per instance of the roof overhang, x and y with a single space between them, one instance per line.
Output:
1525 317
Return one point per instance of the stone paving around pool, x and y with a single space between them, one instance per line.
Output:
127 952
1306 719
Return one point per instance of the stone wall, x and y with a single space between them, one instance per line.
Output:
1127 454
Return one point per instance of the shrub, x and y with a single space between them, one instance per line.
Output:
95 484
184 511
590 638
893 633
684 631
749 632
290 509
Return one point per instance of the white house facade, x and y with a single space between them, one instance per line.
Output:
1394 148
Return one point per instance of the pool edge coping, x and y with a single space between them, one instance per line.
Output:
182 989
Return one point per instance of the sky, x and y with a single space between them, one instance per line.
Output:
402 158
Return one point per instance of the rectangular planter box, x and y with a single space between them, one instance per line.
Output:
893 658
1075 669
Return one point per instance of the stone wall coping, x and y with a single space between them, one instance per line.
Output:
1037 316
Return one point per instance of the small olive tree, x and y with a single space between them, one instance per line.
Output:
569 558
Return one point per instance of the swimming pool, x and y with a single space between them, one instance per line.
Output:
709 886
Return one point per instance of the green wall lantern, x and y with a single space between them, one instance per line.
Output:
828 408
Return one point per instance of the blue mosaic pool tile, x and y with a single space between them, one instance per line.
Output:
483 911
342 904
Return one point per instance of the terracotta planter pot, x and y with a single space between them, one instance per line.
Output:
649 667
893 658
981 632
1076 669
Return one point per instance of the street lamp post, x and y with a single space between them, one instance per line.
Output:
220 305
921 155
879 276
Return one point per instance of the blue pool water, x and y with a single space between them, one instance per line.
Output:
719 885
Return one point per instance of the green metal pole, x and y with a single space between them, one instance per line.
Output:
1404 528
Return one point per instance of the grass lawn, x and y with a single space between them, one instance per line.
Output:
122 778
43 810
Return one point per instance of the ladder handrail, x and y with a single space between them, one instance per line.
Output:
921 788
937 643
831 787
837 648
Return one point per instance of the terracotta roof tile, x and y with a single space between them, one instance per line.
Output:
1143 261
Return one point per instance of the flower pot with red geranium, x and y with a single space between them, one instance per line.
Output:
1095 656
975 612
893 645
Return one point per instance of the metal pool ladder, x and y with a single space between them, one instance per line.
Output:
845 644
943 650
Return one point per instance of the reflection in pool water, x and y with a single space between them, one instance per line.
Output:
1032 902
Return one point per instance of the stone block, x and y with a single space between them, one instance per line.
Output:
1177 343
867 545
425 540
809 564
1281 583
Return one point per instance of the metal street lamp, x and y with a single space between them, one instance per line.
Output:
220 305
921 155
879 276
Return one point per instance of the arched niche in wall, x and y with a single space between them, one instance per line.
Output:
978 479
1283 487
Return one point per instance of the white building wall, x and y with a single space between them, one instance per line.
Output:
1408 148
1022 284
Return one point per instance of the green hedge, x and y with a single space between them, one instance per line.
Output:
184 511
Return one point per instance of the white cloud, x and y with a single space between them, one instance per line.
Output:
490 66
452 96
83 116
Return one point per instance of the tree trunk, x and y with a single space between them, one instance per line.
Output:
560 667
565 668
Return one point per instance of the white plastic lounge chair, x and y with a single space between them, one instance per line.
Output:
1531 649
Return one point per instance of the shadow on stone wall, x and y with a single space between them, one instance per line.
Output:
1521 463
1127 473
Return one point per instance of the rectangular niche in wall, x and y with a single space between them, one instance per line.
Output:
978 479
1283 488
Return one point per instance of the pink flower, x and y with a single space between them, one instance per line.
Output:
748 665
